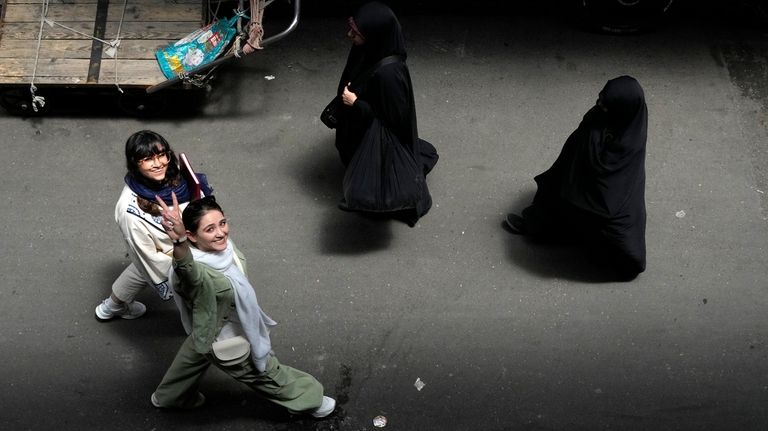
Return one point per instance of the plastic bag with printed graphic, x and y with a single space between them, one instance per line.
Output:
197 48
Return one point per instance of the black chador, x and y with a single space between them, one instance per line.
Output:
377 138
596 188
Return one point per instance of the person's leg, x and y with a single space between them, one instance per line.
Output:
179 387
128 284
121 301
293 389
539 222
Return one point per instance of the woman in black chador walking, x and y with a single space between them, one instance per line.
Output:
595 190
377 137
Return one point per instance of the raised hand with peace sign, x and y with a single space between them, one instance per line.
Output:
174 225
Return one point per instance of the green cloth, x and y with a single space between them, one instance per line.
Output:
210 296
208 293
293 389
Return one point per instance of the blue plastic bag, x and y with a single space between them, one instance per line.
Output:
197 48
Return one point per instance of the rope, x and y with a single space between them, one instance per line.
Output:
255 28
38 100
237 47
52 23
111 51
255 32
211 12
115 43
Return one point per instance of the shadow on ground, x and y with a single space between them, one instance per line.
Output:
577 261
320 175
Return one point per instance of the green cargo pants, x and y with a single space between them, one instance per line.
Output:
293 389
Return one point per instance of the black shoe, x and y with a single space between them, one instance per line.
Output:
515 223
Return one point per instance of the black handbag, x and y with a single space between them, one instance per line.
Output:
330 115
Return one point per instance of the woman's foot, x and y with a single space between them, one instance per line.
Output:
193 404
127 310
326 408
515 224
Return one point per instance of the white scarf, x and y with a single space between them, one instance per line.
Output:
256 324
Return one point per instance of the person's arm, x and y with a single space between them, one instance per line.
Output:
391 86
190 274
363 108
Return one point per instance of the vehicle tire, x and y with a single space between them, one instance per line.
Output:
623 16
140 104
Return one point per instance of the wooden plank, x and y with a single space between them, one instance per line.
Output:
171 31
134 72
10 48
76 82
86 12
75 68
129 49
75 71
66 81
119 2
29 31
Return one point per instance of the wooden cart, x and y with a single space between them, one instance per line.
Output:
73 48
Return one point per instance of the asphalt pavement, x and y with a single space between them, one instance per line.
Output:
505 334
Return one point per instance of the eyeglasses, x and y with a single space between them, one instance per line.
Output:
352 30
352 33
161 158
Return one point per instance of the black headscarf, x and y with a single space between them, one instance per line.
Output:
601 168
382 32
383 37
601 173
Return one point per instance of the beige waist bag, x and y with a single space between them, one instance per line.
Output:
232 350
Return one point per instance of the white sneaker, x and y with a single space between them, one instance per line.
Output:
199 401
325 408
130 310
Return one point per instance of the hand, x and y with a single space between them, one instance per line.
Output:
347 96
172 222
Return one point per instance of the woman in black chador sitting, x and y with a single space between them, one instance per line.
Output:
377 138
595 190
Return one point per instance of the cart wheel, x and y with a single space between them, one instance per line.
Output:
18 101
141 104
623 16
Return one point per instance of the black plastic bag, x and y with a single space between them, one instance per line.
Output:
383 175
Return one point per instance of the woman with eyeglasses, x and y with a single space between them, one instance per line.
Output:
153 170
377 137
229 330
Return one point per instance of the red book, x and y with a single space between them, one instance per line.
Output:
189 174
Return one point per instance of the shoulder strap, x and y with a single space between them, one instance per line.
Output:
383 62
